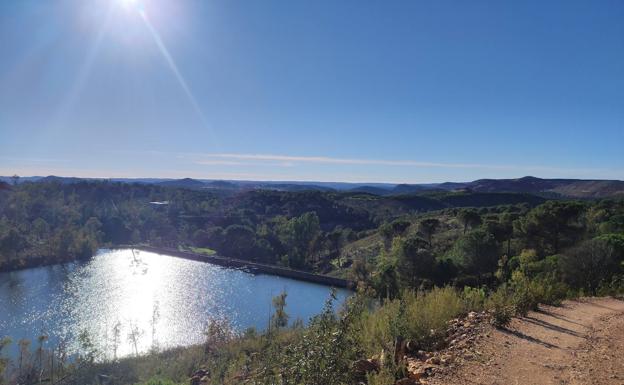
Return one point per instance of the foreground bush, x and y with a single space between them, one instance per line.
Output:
501 305
325 351
421 317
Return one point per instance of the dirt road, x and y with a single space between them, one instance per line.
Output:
580 343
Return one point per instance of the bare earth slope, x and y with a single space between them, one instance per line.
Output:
580 343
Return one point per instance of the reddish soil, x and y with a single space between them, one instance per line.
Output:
579 343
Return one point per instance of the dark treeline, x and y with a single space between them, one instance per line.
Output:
559 246
52 222
49 222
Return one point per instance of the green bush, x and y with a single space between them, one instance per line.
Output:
418 316
501 306
428 314
549 292
381 326
474 299
529 293
523 302
613 288
322 354
384 377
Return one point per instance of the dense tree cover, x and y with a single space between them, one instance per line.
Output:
415 262
428 227
469 218
576 244
52 221
477 252
487 199
49 222
552 226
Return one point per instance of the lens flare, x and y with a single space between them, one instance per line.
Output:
172 65
129 3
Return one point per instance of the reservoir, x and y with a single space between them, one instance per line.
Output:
127 300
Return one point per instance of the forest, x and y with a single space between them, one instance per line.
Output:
49 222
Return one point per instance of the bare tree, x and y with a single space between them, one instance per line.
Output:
116 338
153 322
134 336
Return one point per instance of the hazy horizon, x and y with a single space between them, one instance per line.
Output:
286 181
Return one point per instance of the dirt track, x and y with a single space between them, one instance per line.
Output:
580 343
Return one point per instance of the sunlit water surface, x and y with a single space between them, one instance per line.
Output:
168 301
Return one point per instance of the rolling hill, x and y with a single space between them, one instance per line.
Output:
551 188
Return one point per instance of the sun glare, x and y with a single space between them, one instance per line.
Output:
129 3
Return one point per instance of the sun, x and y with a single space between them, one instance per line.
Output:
129 3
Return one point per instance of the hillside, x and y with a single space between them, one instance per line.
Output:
563 188
592 189
183 183
551 188
572 188
389 207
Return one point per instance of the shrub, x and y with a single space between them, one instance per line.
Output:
384 377
500 304
474 299
324 352
549 292
418 316
380 327
590 263
529 293
523 301
613 288
428 314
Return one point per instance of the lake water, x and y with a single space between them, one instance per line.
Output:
168 301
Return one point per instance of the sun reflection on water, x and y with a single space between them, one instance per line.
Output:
167 301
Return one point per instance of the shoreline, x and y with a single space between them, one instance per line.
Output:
35 262
252 267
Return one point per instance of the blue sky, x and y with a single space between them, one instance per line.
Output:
350 90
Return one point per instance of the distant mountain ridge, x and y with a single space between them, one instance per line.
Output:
574 188
564 188
183 183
